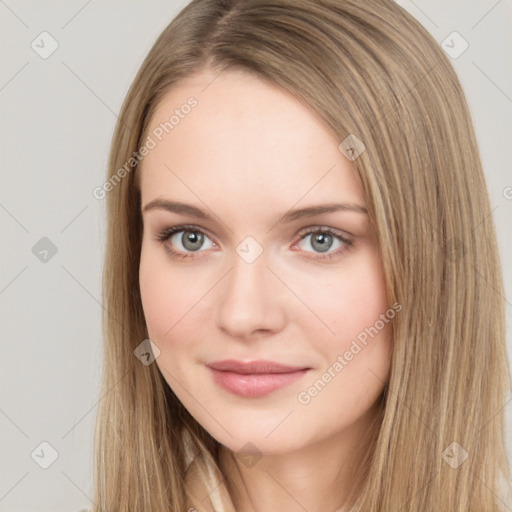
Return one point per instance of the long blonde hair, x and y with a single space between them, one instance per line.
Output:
369 69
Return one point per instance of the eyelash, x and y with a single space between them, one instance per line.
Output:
165 234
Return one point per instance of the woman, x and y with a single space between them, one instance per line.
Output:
281 374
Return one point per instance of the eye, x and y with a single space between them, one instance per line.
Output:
189 239
185 239
322 239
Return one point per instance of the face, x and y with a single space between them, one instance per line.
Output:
270 315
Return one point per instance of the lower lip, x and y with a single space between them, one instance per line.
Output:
254 385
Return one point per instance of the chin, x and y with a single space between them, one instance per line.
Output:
245 437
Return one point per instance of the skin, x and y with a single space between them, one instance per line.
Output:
248 153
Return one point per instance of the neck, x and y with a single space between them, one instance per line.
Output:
316 477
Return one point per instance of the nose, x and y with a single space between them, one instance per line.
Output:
251 301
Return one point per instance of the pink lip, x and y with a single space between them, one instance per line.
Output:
254 378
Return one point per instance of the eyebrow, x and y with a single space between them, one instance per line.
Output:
289 216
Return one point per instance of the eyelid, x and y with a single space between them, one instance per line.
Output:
166 233
319 227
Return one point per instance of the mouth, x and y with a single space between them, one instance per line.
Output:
254 378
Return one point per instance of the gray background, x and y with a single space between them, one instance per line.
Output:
58 115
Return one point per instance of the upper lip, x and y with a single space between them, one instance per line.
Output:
253 367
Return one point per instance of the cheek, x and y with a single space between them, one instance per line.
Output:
155 295
355 361
163 294
350 300
175 302
167 298
355 350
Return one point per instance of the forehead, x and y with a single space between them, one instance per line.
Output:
246 137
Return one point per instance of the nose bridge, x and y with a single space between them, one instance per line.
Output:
250 298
